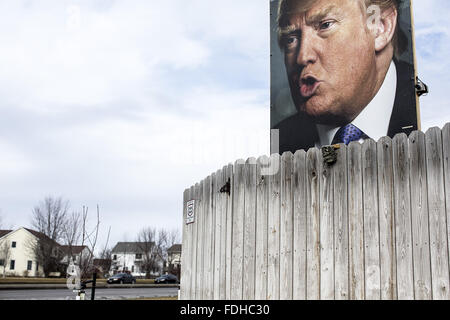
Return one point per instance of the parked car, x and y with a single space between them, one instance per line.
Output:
121 278
167 278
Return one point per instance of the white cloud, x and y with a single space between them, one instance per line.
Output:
110 55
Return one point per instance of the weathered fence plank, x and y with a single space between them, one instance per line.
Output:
249 230
341 275
371 221
194 247
356 222
273 259
262 196
212 224
229 176
388 266
299 207
192 242
313 225
286 227
224 217
326 231
238 231
185 245
207 237
200 242
218 223
446 153
405 277
437 215
419 213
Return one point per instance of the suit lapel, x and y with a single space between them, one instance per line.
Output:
404 114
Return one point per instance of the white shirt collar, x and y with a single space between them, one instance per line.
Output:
375 117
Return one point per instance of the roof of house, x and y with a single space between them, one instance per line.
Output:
175 248
4 232
41 236
129 247
73 249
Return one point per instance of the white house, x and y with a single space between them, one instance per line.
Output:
78 254
129 257
16 254
174 255
173 264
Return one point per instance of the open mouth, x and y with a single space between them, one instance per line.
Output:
308 86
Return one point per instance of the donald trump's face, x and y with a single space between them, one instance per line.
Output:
330 58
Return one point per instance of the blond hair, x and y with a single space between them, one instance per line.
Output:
286 7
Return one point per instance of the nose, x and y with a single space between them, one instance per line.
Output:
307 52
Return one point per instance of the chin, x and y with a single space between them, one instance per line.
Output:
315 108
322 113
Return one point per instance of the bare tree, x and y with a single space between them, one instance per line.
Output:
50 217
72 231
89 239
49 220
106 255
173 237
148 244
5 255
154 244
166 239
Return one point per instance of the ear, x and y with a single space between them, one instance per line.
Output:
385 28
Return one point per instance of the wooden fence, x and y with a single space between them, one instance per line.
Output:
372 226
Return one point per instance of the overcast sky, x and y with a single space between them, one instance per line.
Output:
125 103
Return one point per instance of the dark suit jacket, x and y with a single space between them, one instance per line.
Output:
299 132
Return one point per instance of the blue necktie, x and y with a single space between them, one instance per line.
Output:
348 134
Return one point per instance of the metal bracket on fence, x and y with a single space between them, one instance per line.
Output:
227 187
329 154
421 88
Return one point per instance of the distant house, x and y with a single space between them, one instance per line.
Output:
17 257
16 254
78 254
129 257
173 263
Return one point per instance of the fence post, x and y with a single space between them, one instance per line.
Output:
273 259
299 207
313 225
355 222
419 213
341 271
388 266
286 227
371 224
405 277
262 201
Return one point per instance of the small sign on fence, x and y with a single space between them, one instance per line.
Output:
190 217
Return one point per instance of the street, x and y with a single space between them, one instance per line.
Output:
100 294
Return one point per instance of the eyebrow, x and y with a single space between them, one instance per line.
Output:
313 19
319 16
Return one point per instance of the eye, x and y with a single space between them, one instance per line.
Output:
290 42
325 25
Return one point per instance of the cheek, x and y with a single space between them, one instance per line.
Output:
346 60
290 64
